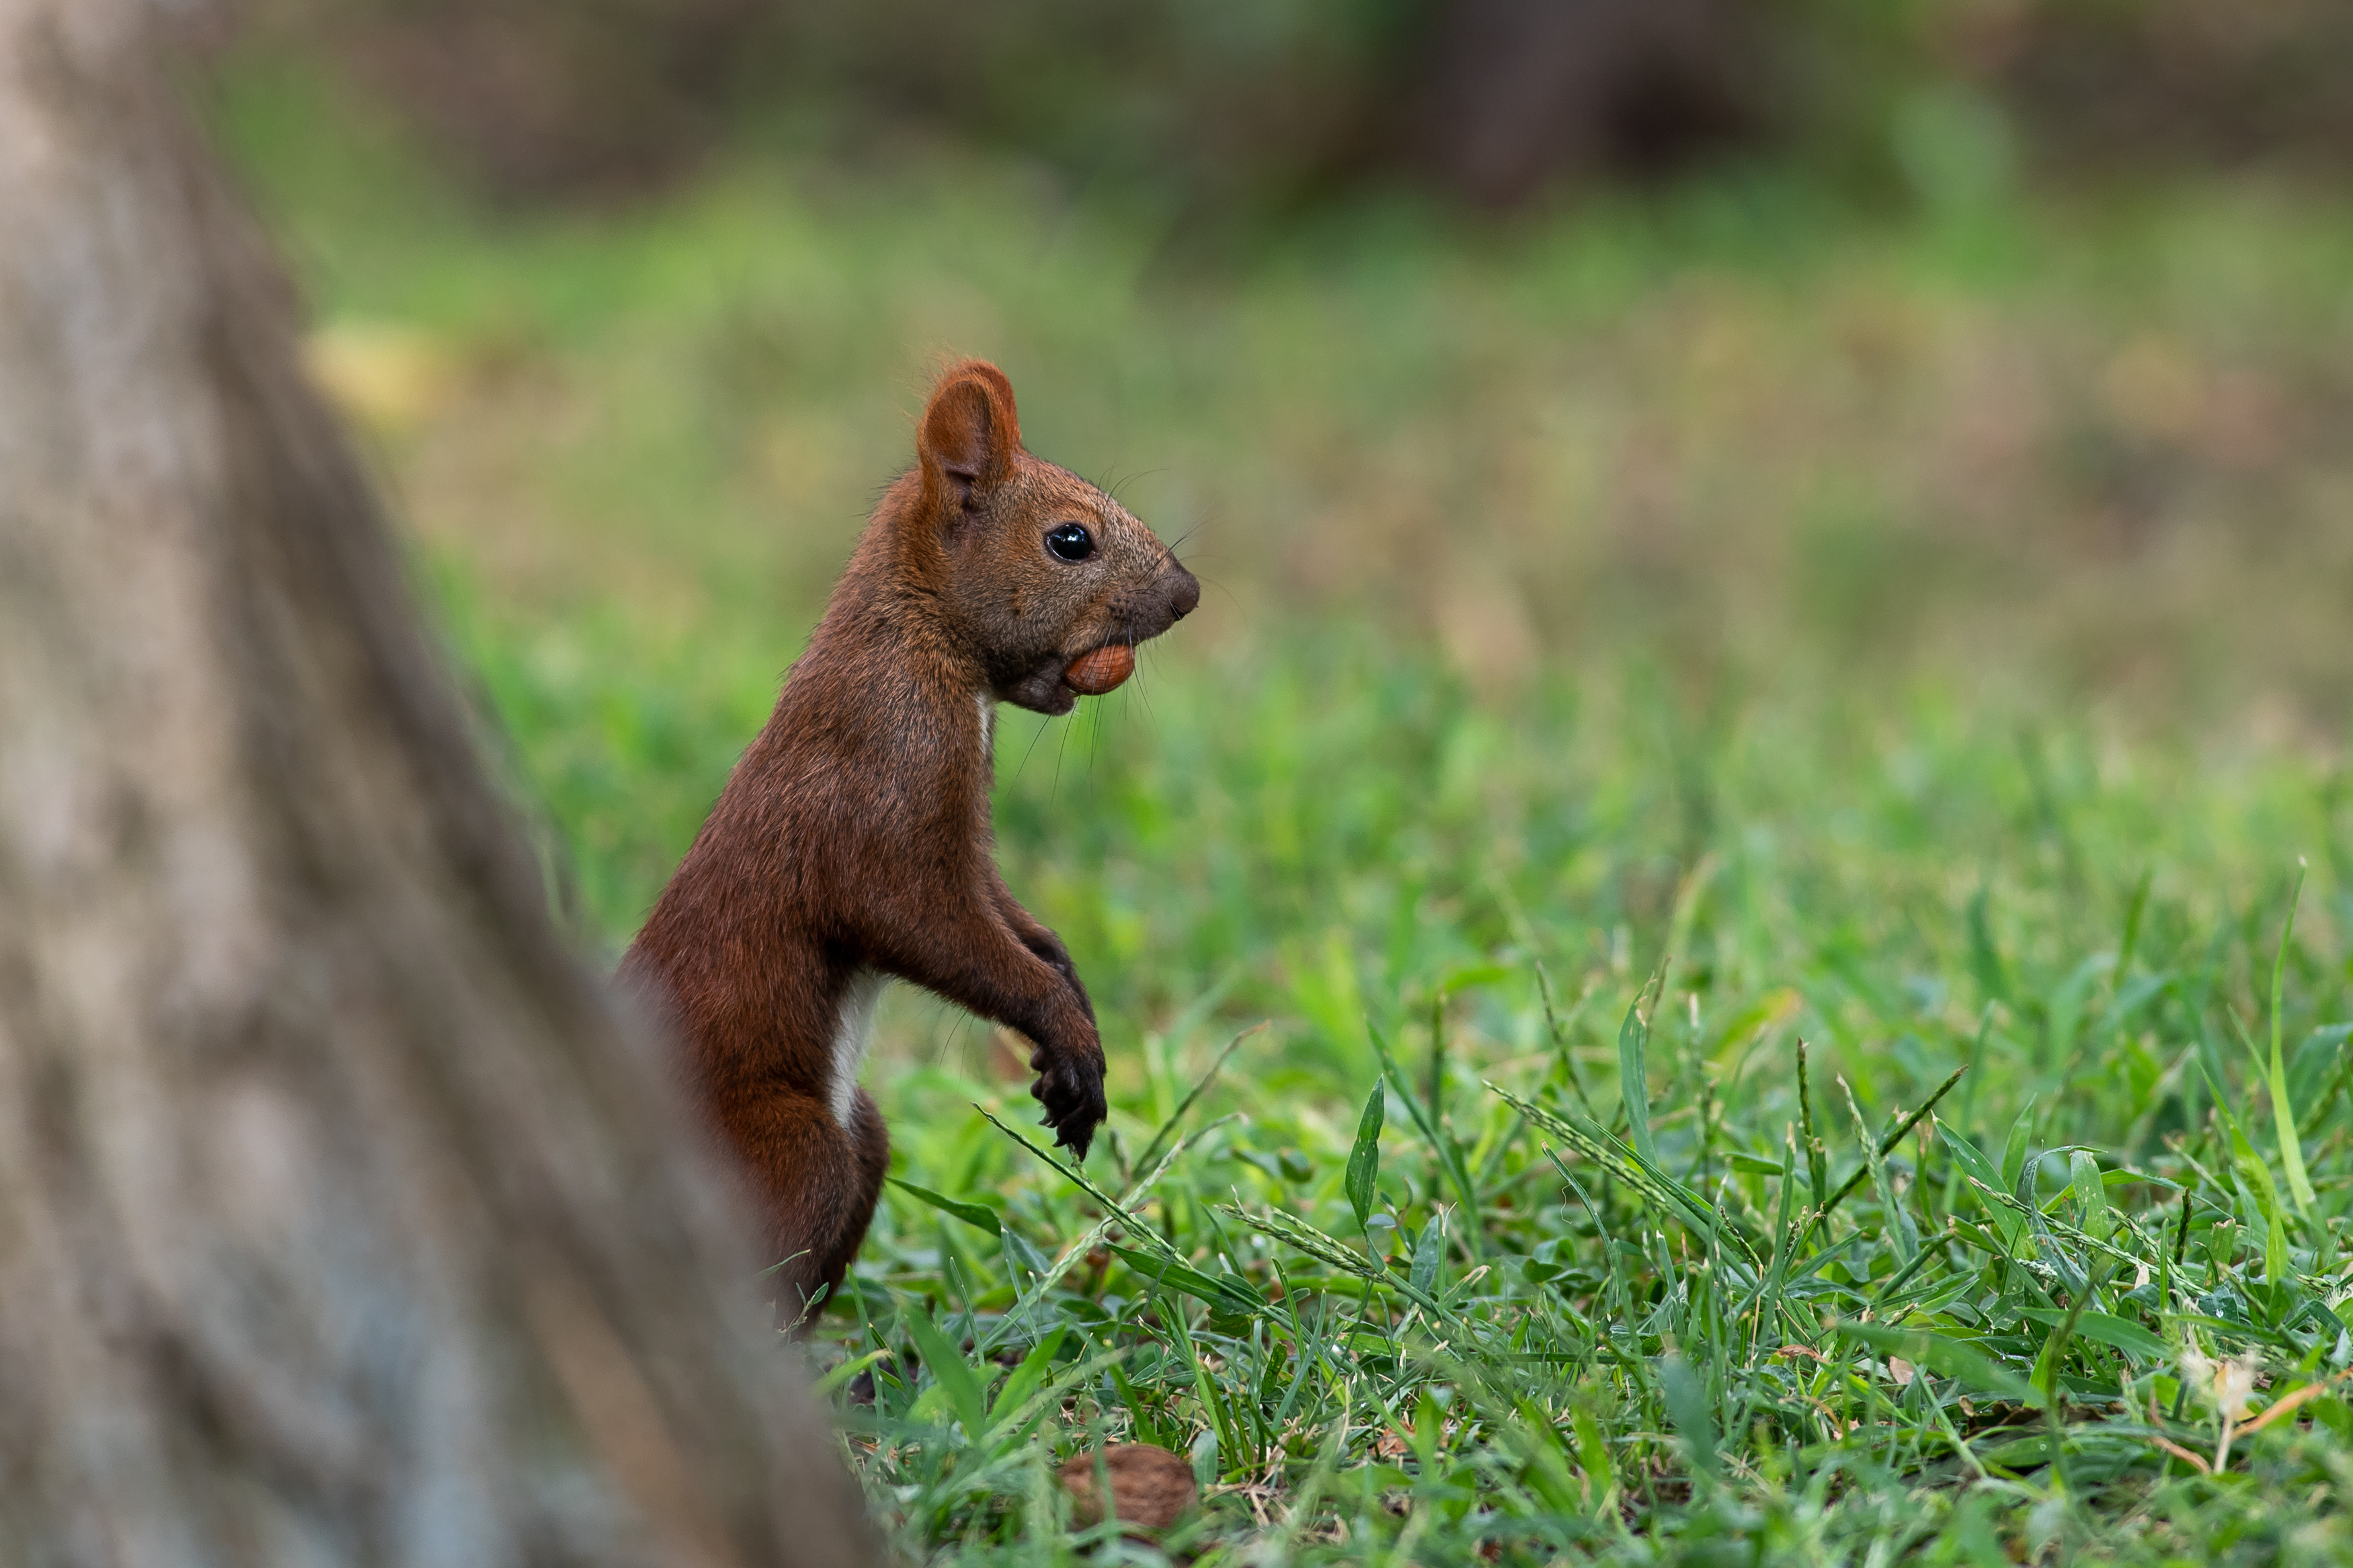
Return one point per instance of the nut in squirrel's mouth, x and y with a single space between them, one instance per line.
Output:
1105 668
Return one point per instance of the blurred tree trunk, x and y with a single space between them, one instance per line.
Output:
1514 95
341 1219
547 98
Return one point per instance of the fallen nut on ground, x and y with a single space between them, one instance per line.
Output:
1150 1487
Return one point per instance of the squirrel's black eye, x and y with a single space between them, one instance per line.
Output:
1070 542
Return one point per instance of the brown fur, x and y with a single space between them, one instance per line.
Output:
855 838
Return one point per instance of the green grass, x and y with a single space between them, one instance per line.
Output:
1757 622
1640 1349
1581 1320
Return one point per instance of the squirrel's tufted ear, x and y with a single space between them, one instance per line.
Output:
969 435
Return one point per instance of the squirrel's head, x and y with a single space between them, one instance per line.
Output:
1032 567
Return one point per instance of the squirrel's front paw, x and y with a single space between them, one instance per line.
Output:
1072 1093
1049 947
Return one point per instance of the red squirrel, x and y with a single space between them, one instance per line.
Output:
853 843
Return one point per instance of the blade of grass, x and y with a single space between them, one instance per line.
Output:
2336 1034
1143 1161
1660 1190
2121 1333
1027 1377
1902 1276
2091 1194
949 1370
1011 1420
1946 1357
824 1387
1694 1421
1436 1097
1818 1170
1428 1253
1633 1066
1978 1170
1278 1547
2250 1164
1363 1179
1450 1155
1228 1293
1114 1214
980 1216
1894 1138
1874 1155
1559 1032
2013 1147
2299 1184
1295 1232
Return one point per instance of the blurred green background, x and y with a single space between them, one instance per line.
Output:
1777 349
1856 492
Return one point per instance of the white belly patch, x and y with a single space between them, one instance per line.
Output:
988 722
853 1029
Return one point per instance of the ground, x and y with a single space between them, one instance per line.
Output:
1680 681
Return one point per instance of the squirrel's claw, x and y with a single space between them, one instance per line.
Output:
1074 1106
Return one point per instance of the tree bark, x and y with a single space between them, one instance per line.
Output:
341 1217
1515 94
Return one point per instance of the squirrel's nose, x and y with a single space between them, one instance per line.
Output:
1184 594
